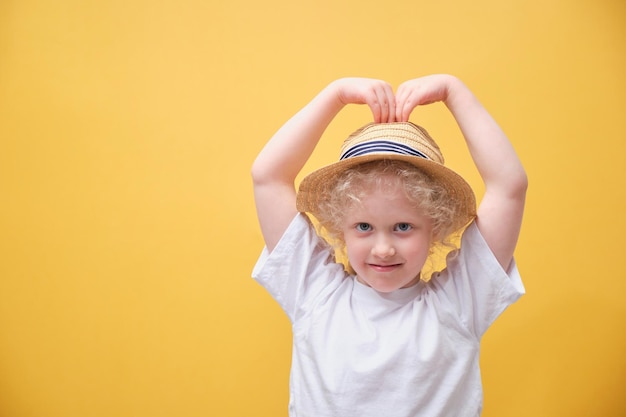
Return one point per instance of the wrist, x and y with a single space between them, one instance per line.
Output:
332 96
457 92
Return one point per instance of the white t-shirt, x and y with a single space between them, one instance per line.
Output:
361 353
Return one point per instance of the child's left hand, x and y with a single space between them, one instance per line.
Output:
419 92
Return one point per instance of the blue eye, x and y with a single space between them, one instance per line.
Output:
363 227
403 227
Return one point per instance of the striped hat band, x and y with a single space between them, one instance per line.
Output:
381 147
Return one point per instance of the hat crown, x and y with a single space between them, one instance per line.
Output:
404 138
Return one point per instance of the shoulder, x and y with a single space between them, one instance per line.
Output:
299 239
299 268
475 285
476 262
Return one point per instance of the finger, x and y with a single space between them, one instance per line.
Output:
401 98
387 100
391 100
374 100
399 101
402 107
375 107
383 104
408 105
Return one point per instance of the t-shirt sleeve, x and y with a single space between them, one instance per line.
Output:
300 269
476 285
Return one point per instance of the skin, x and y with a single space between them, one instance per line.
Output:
387 240
500 212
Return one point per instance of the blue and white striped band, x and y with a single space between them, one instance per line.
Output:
381 146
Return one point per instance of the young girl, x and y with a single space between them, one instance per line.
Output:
380 339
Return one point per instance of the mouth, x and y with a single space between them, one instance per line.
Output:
384 268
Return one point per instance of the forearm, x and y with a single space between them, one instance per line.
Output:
275 169
277 165
493 154
500 212
285 154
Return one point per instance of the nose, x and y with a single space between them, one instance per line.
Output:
383 247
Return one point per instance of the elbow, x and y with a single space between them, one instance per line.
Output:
269 173
519 184
511 185
256 172
259 173
523 181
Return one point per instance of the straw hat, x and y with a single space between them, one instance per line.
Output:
402 141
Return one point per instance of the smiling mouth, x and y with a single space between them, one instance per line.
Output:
384 268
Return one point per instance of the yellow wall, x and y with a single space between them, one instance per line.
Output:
127 227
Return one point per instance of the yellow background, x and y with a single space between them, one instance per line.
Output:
127 226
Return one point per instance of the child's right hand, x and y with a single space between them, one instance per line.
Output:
377 94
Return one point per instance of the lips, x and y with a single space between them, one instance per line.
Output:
384 268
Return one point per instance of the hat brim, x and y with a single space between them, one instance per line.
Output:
314 187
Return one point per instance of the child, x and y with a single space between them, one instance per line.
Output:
378 340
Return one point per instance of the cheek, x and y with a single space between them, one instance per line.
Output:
355 247
418 249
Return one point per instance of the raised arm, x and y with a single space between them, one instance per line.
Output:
500 211
277 165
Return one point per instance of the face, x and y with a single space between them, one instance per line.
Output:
387 240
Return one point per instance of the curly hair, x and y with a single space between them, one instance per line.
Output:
425 194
